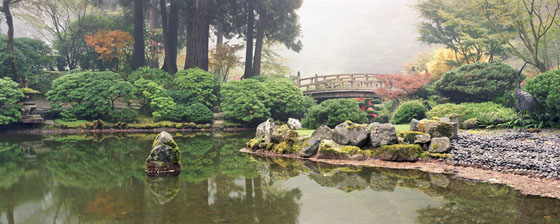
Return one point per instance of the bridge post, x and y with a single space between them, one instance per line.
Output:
316 81
298 80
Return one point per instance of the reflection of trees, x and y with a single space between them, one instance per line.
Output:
10 169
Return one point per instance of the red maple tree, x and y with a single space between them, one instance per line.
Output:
398 86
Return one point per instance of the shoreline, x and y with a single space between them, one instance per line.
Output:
526 184
115 130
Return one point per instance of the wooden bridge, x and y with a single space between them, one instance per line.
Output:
339 86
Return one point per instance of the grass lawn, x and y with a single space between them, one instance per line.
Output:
77 122
398 127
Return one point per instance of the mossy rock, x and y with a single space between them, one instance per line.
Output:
329 149
254 143
283 133
283 147
165 156
438 128
413 137
399 152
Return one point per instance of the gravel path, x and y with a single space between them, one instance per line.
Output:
509 151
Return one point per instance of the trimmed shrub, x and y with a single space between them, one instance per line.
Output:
407 111
9 98
159 76
488 114
545 88
123 115
285 98
154 98
199 84
197 113
333 112
245 101
479 82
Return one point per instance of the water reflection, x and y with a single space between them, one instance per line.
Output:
101 179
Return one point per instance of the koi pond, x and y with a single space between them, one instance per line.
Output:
100 178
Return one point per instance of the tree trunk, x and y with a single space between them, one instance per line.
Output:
10 39
249 36
261 27
198 34
154 62
173 28
219 35
138 55
163 11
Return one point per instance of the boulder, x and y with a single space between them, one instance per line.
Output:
382 134
413 137
282 133
348 133
294 123
471 123
323 133
165 156
439 145
255 143
264 130
438 128
414 125
329 149
310 148
399 153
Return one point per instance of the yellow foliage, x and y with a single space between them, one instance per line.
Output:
444 60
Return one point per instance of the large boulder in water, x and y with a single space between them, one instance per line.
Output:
294 124
264 130
348 133
382 134
165 157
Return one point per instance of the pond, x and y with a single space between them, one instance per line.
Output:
100 179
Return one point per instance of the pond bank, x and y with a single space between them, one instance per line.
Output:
530 185
154 130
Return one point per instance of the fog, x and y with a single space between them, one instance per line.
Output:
356 36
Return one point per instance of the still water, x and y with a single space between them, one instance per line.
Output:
101 179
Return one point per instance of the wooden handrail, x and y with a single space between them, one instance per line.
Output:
338 81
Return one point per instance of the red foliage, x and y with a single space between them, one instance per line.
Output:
395 86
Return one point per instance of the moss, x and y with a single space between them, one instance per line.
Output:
349 122
444 128
283 147
254 143
439 155
435 146
398 150
269 146
409 136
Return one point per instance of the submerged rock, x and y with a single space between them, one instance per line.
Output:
329 149
264 130
348 133
382 134
165 156
294 123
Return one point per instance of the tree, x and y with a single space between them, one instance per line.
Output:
111 45
9 98
444 60
138 55
170 34
10 37
224 58
397 86
249 39
532 21
197 34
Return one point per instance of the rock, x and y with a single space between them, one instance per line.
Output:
414 125
399 153
264 130
382 134
471 123
439 145
323 133
329 149
348 133
455 118
439 180
294 124
255 143
413 137
282 133
310 148
165 156
438 128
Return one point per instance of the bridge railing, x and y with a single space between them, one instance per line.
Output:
338 81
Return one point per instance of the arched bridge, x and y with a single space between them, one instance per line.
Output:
339 86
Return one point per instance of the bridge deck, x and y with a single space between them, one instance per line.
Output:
340 86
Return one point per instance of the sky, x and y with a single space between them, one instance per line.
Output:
356 36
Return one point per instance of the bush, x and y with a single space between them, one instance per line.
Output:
545 89
9 98
480 82
33 56
285 98
488 114
89 95
197 113
407 111
245 101
153 74
333 112
199 84
155 98
123 115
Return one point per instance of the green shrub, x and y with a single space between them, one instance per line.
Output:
157 75
488 114
407 111
33 56
246 101
154 98
9 98
479 82
123 115
199 84
285 98
333 112
546 90
89 95
197 113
